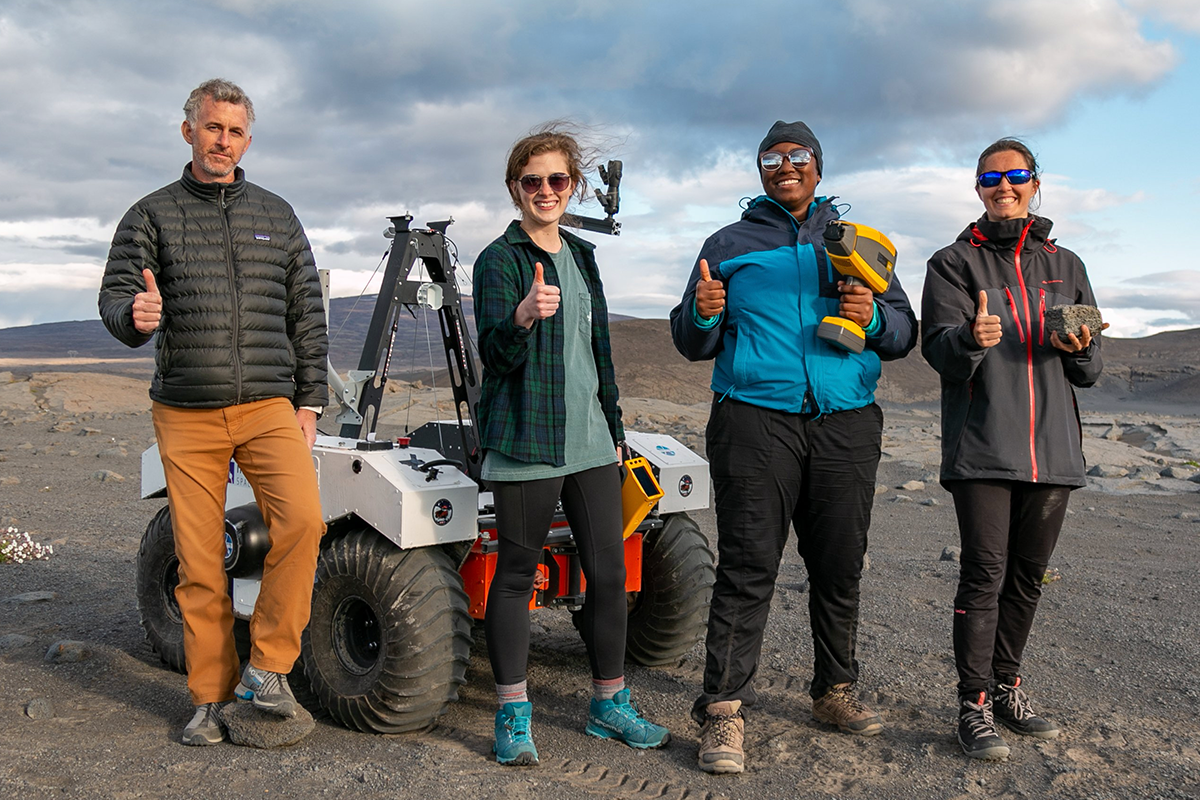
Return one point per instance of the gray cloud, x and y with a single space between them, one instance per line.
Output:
374 108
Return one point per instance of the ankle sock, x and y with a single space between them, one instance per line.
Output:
607 690
512 692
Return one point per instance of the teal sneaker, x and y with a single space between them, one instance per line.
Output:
621 720
514 740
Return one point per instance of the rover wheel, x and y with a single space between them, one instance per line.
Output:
390 635
157 577
670 614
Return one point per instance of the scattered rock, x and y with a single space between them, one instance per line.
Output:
25 446
951 553
14 641
39 708
912 486
901 498
866 561
1180 473
64 426
107 475
1108 471
90 432
68 651
9 480
1187 515
113 452
880 489
29 597
250 727
1113 434
1067 320
930 501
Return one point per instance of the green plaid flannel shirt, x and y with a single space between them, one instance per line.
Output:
522 410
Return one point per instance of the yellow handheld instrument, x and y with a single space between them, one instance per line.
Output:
639 493
865 257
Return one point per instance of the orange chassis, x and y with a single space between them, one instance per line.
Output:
559 580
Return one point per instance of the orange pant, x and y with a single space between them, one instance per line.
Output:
265 440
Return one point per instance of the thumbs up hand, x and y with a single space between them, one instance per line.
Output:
710 294
987 326
540 303
147 305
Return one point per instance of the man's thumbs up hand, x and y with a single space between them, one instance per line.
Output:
987 326
541 302
147 305
710 294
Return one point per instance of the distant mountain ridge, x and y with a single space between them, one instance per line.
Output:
1163 369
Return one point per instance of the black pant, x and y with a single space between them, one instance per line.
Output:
769 469
1008 531
524 510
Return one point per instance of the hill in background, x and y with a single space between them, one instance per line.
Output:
1155 371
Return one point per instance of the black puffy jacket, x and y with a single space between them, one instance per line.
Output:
1009 411
242 313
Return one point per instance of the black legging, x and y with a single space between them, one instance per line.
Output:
524 511
1008 531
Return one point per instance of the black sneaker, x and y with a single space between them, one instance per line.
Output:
977 730
1013 708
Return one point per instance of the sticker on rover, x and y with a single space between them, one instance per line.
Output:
685 485
442 512
666 451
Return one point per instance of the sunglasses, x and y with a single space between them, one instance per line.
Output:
1015 177
559 181
771 161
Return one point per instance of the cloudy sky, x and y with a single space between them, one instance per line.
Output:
377 108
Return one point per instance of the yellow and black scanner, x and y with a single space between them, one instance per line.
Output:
639 493
864 257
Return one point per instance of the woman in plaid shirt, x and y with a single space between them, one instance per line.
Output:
550 428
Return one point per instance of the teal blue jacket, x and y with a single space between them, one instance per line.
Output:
779 286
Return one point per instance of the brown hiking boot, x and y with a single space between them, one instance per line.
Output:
840 707
721 738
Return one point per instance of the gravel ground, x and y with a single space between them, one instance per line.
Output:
1112 657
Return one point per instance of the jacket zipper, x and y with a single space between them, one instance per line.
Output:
1041 317
1028 349
233 298
1012 306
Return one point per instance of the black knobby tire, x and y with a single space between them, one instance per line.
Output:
670 614
157 577
390 636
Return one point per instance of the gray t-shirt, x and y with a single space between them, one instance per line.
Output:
588 442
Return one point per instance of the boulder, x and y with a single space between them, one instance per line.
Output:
250 727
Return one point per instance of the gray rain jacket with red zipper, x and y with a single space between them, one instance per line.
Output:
1009 411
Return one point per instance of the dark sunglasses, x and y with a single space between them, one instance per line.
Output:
1015 178
771 161
559 181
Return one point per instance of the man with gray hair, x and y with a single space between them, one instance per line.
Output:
219 273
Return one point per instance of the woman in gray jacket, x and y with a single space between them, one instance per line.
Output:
1011 441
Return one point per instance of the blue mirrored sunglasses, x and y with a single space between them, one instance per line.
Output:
1015 177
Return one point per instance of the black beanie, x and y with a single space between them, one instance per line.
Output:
796 132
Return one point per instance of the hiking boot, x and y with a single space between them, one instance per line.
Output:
1012 707
721 738
622 720
977 729
206 726
269 691
842 708
514 739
